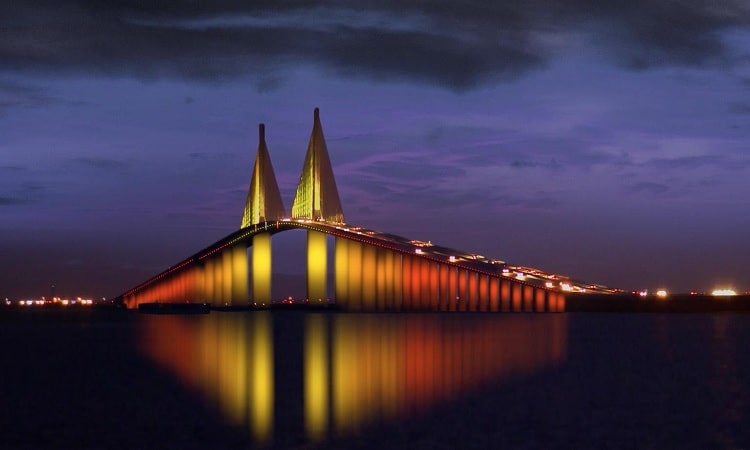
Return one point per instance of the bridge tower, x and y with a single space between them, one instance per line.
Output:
317 198
263 204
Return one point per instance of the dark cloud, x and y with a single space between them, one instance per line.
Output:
105 164
648 187
10 201
454 44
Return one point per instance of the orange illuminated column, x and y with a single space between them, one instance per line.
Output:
316 377
262 268
341 280
505 295
462 297
539 295
516 296
355 275
388 294
317 263
494 294
239 274
473 292
443 298
425 289
484 292
434 286
528 298
406 279
453 291
416 282
369 277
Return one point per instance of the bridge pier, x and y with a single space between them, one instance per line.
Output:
341 277
317 266
262 269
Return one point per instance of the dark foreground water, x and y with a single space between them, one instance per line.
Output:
117 379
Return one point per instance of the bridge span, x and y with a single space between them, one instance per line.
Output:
372 271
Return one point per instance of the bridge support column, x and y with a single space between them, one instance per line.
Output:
354 284
381 279
539 299
317 267
528 298
462 296
341 280
444 296
262 269
218 290
239 275
208 274
424 284
473 292
434 283
226 276
453 289
397 288
516 297
369 277
407 281
494 294
484 292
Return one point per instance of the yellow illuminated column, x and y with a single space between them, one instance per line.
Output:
317 262
528 298
354 259
341 282
208 280
389 286
516 297
398 282
262 372
262 269
218 280
316 377
494 294
226 276
239 274
381 255
407 281
369 277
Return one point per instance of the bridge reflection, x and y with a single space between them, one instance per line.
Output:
315 376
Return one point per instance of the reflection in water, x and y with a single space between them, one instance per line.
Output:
355 370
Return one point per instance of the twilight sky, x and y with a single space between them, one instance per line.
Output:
607 141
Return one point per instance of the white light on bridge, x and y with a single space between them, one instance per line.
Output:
661 293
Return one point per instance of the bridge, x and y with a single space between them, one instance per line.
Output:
372 271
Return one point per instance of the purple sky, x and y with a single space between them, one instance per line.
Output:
607 143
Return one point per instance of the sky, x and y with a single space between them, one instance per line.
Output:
606 141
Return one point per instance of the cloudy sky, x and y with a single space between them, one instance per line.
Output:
607 141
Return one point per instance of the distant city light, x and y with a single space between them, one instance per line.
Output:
643 293
723 292
661 293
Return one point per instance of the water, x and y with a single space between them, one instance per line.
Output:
117 379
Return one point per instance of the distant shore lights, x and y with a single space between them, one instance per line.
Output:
723 292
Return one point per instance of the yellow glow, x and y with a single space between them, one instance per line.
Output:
662 293
316 377
723 292
261 406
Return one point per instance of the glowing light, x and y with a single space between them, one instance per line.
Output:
452 258
643 293
549 284
418 251
520 276
566 287
661 293
724 292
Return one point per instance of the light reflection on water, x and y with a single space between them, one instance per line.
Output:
354 370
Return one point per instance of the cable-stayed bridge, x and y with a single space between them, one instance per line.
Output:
372 271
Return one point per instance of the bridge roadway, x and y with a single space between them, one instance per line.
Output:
425 250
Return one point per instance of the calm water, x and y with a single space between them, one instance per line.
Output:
116 379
